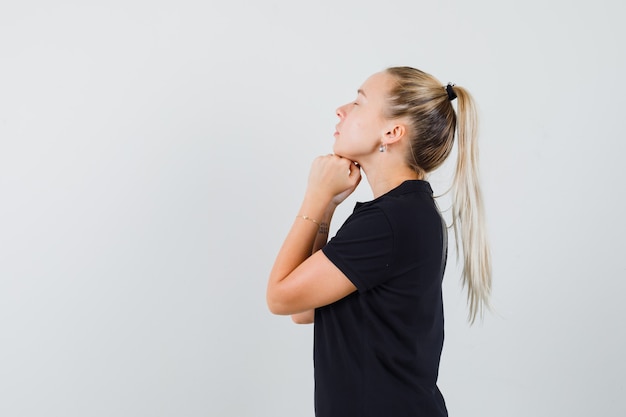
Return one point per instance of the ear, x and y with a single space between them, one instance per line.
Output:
394 133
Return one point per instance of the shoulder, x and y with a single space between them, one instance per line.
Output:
366 218
410 208
363 247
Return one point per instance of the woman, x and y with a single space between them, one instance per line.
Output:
374 290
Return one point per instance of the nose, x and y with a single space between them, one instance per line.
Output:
340 112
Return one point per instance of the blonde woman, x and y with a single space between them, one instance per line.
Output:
374 290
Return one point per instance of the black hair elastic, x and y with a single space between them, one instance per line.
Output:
450 91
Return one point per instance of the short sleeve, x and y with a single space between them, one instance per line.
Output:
363 248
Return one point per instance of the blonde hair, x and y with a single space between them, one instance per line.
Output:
425 102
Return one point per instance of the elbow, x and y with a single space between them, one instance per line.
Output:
282 300
283 303
278 309
275 305
275 309
298 316
306 317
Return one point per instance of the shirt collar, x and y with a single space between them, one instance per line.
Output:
407 187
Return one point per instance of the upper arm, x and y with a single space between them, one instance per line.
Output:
314 283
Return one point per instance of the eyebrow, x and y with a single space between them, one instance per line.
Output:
359 91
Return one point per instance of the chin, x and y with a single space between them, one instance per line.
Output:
338 152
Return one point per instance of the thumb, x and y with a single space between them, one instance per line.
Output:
355 172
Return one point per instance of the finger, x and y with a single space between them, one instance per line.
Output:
354 168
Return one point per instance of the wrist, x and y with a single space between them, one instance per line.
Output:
322 226
330 210
317 205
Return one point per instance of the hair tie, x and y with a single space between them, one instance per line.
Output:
450 91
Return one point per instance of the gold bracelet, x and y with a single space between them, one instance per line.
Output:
309 219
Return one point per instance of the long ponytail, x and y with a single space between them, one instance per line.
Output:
468 213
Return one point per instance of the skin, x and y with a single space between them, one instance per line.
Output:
302 278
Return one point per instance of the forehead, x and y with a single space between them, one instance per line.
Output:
377 85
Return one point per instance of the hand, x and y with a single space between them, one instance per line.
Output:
339 198
333 178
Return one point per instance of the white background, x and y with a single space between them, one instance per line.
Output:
153 156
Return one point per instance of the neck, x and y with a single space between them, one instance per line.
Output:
384 179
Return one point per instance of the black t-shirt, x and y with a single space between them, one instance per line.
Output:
377 350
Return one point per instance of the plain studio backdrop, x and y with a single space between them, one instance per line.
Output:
153 156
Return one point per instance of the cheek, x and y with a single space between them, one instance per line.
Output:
356 128
364 131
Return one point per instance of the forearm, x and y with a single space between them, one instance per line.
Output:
308 317
322 234
302 240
